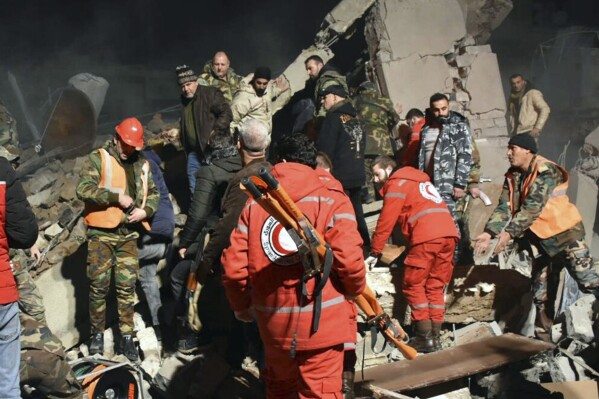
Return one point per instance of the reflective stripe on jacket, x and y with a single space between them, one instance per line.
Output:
558 214
114 179
413 203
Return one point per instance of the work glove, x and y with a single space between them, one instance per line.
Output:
371 261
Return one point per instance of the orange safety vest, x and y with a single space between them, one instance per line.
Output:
559 214
114 179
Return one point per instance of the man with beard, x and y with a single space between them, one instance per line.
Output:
254 100
218 73
528 109
413 204
446 151
534 210
204 110
322 76
120 197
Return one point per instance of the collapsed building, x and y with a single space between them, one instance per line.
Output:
444 50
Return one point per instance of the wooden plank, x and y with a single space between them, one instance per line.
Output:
453 363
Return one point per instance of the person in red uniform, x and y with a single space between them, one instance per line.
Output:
413 203
262 279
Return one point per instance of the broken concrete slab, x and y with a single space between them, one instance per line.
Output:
583 192
150 348
564 369
413 69
574 389
453 363
579 319
53 231
475 332
483 16
484 85
434 26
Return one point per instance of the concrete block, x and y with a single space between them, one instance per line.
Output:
53 231
484 85
476 332
563 369
427 75
582 191
40 181
578 319
434 26
478 49
109 342
465 60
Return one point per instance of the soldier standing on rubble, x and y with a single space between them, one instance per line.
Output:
534 207
379 117
218 73
120 196
264 283
412 203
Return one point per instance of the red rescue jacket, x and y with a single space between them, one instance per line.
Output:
411 201
262 268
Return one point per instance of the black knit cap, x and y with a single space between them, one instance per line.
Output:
262 72
525 141
333 89
185 74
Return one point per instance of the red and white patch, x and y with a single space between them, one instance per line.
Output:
278 246
428 191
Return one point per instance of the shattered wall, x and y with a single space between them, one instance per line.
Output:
420 47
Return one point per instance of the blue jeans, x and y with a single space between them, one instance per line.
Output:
10 351
149 256
194 163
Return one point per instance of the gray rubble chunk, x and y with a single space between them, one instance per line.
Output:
578 319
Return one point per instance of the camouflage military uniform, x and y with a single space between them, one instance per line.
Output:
113 249
228 86
462 213
8 127
379 117
567 249
452 157
30 299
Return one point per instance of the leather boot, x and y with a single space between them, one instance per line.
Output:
128 348
436 330
348 385
422 340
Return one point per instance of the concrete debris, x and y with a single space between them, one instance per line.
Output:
53 231
109 342
150 349
476 332
138 322
579 322
565 369
557 332
84 349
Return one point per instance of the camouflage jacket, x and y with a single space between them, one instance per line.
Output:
328 77
452 156
517 225
248 105
228 86
379 116
8 127
89 192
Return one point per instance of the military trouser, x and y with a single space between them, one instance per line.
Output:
30 299
462 217
368 160
577 260
102 258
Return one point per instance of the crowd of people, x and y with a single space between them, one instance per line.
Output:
248 272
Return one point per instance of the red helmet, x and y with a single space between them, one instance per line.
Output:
131 132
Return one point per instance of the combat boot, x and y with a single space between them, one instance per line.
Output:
422 340
128 348
347 387
97 344
436 330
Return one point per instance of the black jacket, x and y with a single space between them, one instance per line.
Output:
348 166
210 112
211 183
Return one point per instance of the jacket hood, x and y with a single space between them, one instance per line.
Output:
229 164
297 179
409 173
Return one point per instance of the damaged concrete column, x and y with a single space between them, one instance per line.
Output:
420 47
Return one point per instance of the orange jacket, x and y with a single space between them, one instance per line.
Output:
113 178
411 201
262 268
558 214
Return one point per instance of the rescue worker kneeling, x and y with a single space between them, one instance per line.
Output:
263 279
413 203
